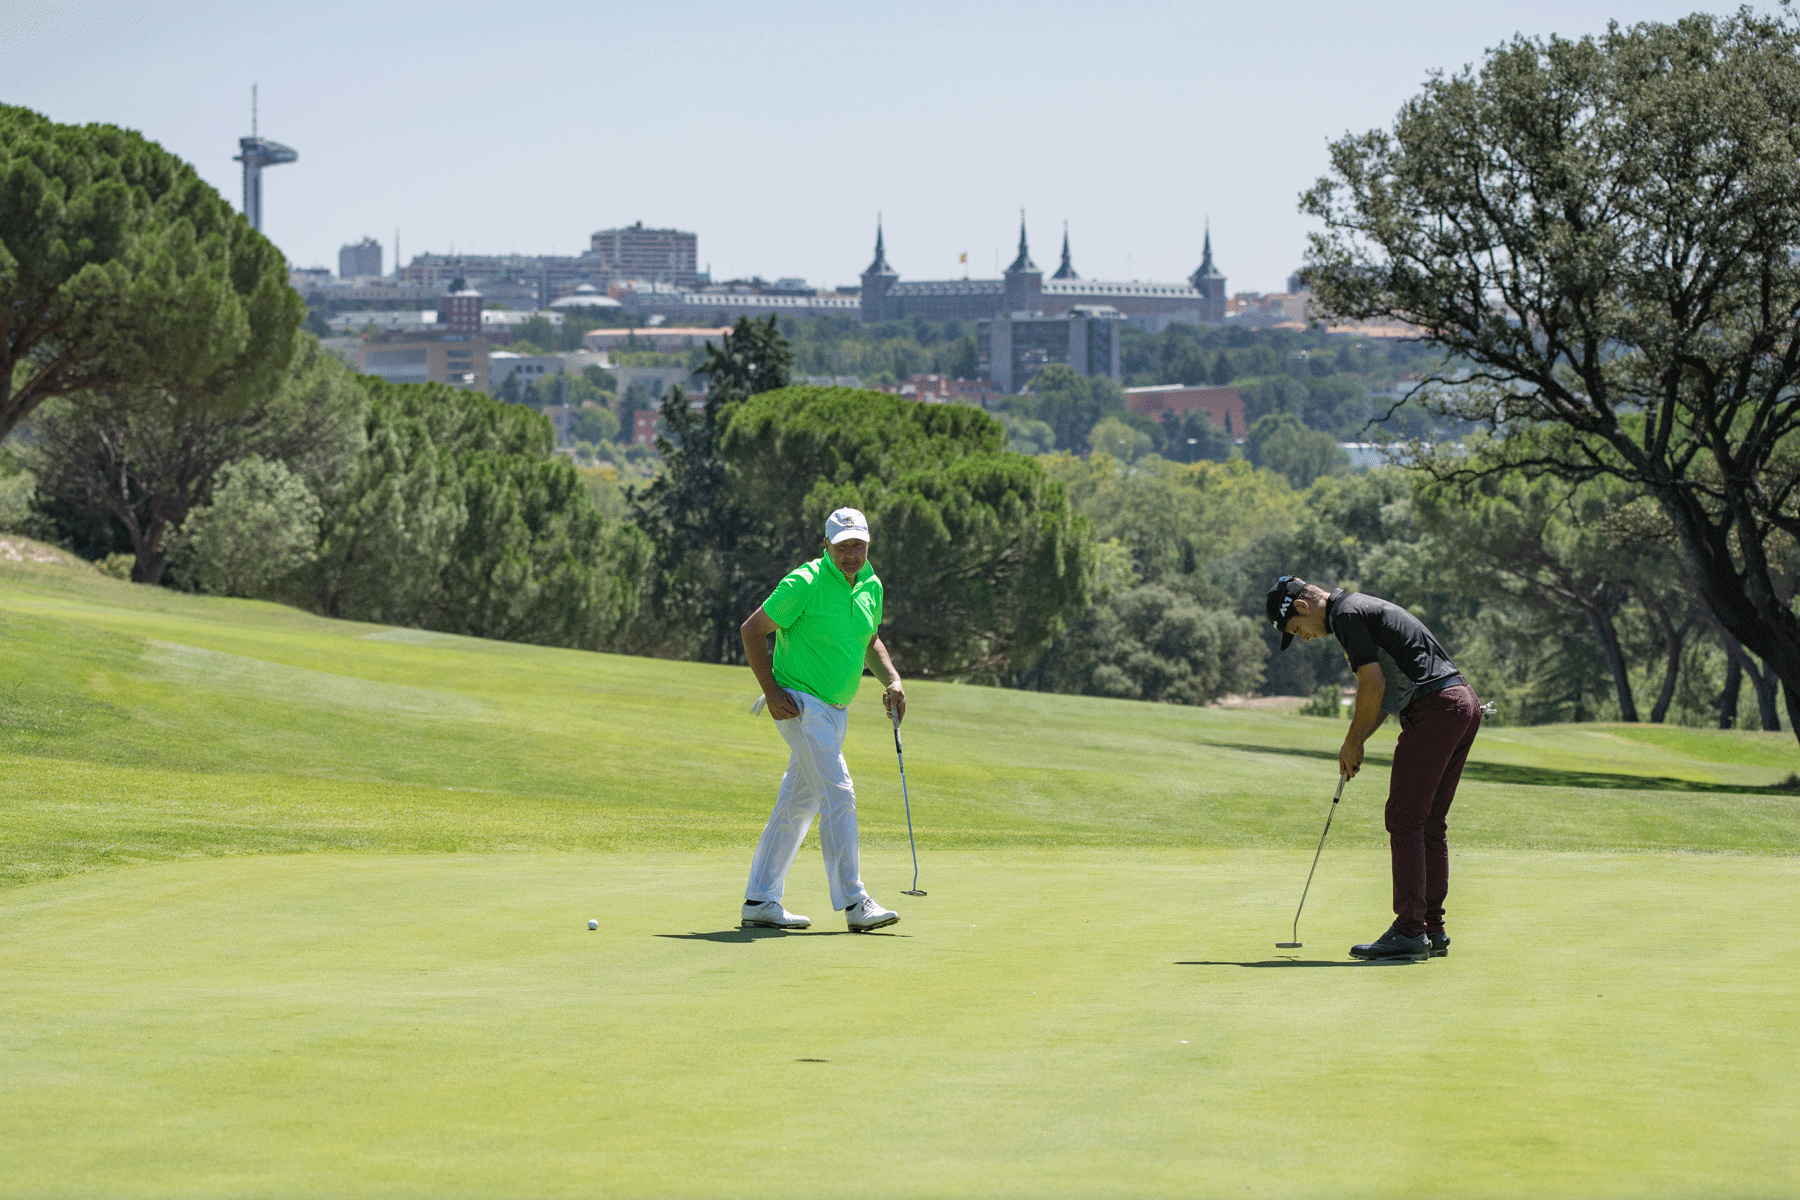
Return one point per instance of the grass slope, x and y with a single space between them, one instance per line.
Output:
139 725
298 908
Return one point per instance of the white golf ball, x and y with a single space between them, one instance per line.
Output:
593 924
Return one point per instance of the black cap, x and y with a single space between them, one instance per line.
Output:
1281 604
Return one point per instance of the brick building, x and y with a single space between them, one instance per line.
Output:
1222 404
941 389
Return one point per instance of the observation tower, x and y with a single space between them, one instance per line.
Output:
256 153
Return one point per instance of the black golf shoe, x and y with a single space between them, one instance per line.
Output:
1394 945
1440 943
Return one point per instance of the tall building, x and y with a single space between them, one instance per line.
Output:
461 310
1011 348
658 255
1200 299
361 260
1210 283
885 298
256 153
1023 282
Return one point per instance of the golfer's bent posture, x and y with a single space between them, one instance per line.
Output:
1400 669
825 615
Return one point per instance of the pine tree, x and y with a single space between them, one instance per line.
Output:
690 512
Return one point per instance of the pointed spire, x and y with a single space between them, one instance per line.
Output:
1067 270
880 265
1207 269
1023 262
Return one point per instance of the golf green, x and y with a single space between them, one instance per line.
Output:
1042 1023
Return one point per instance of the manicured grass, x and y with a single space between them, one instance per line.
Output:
298 907
1044 1023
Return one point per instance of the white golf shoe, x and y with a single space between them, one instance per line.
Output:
767 914
866 914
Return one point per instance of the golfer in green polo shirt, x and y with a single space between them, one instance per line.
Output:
824 616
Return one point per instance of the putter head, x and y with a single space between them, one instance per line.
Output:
910 893
1287 945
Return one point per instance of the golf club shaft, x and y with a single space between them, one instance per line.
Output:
904 799
1330 813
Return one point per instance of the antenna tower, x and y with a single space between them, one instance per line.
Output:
256 153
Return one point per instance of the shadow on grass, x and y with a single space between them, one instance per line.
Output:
1487 772
1304 962
740 936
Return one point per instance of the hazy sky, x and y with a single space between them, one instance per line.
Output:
775 130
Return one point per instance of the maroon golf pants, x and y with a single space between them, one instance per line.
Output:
1436 732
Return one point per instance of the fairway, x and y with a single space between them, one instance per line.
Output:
299 908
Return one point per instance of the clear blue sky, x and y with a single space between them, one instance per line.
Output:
775 130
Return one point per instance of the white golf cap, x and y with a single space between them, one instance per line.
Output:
846 523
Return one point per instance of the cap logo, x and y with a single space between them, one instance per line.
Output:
846 523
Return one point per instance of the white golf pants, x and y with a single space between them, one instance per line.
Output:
817 783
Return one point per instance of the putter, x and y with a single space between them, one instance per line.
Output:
914 890
1329 813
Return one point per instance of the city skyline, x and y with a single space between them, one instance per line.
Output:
776 142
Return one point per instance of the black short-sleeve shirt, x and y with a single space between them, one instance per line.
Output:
1371 630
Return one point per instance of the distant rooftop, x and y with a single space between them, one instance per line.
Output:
1092 287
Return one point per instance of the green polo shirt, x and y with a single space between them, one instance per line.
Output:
826 627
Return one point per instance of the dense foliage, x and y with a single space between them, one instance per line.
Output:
982 557
883 353
697 520
126 464
455 516
1605 231
121 268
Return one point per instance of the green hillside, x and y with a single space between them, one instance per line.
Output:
299 908
141 724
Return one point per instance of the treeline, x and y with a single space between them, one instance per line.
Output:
1302 395
1559 598
1124 575
417 505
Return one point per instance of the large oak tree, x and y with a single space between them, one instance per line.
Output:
1607 232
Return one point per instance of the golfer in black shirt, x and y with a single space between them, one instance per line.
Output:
1400 669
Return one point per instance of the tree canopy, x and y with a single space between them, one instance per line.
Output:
1604 232
694 518
455 516
120 266
983 558
144 456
